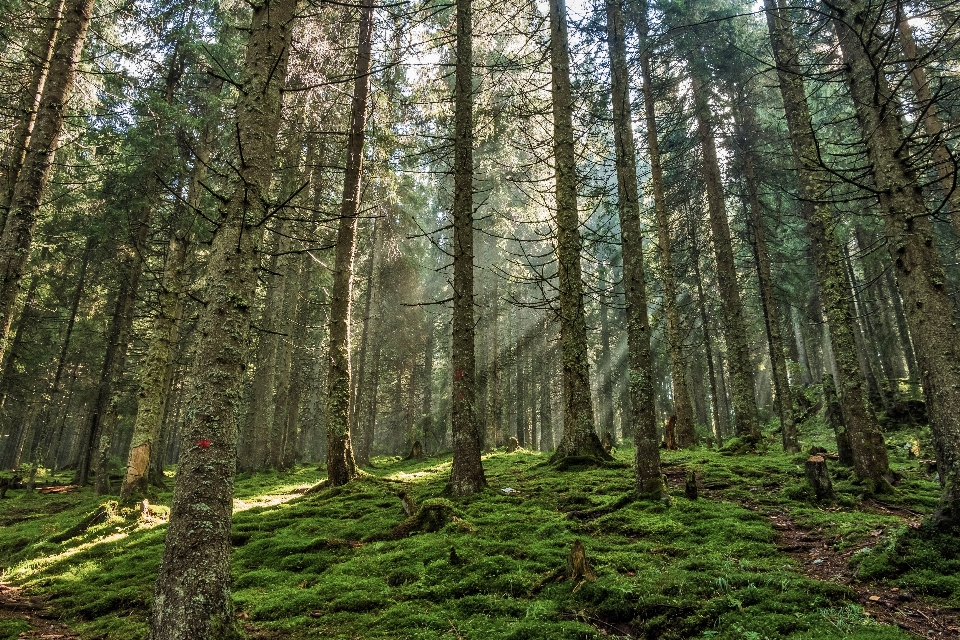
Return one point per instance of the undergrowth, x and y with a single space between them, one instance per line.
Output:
317 564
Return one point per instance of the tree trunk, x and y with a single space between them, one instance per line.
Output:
466 476
683 409
341 466
192 594
806 377
17 237
768 302
920 273
869 450
718 392
648 479
41 450
579 437
373 271
734 327
156 371
943 161
14 156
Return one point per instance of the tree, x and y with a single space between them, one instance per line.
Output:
192 593
466 475
920 273
341 466
649 479
31 183
579 437
863 430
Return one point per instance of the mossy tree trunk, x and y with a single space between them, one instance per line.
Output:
768 302
157 370
686 434
734 327
579 437
31 184
869 450
192 593
14 155
341 465
910 239
648 477
943 161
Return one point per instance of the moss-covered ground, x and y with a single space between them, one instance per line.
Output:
305 564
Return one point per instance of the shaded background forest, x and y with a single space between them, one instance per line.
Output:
116 268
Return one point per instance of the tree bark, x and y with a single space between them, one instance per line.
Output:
15 154
768 302
734 328
869 451
373 269
648 479
579 437
17 238
686 434
920 273
192 593
341 465
156 371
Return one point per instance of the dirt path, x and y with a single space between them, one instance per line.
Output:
817 559
14 605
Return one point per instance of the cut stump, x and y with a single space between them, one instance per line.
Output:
818 476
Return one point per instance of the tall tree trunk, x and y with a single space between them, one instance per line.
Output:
686 434
494 410
373 272
863 429
546 386
943 162
255 435
605 393
17 237
734 327
41 451
920 273
768 302
721 421
427 423
341 465
900 317
648 479
192 594
14 155
802 359
156 371
579 437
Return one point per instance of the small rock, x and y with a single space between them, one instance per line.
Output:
874 598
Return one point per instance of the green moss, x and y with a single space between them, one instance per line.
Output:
302 567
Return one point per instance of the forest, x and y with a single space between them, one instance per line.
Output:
473 319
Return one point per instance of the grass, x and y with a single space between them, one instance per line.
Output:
306 566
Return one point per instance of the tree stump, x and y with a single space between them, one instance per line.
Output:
512 445
607 442
408 503
416 452
670 433
577 566
690 488
818 476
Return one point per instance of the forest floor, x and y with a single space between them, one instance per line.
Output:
753 557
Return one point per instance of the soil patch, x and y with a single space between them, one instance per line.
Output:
34 611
